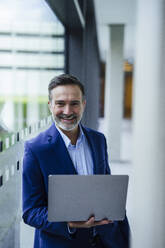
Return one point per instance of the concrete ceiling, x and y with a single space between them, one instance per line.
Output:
116 12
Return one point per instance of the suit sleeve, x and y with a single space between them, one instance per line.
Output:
108 170
35 198
117 233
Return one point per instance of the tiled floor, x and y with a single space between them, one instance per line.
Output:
124 166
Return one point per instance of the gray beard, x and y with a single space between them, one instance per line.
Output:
63 126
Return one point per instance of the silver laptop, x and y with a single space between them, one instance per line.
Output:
77 197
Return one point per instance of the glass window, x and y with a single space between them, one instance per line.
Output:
32 50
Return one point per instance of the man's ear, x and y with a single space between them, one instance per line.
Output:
84 103
50 106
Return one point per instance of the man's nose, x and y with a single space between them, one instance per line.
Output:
67 110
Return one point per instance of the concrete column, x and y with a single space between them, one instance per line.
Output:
149 127
114 90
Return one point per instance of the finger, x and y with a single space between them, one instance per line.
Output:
90 222
75 224
110 221
71 224
102 222
82 224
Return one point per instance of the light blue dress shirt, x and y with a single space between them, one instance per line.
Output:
81 157
80 153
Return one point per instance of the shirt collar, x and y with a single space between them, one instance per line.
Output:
67 141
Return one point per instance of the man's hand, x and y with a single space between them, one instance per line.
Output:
87 224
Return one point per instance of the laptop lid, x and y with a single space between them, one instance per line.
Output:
78 197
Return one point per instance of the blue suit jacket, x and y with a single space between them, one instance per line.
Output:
44 155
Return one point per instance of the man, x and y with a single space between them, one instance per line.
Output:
66 147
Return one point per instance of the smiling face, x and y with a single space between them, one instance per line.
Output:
67 106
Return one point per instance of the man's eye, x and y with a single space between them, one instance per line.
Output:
75 103
60 104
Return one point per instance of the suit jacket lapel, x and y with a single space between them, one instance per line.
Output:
91 141
58 147
65 164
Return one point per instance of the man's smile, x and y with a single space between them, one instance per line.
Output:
67 119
